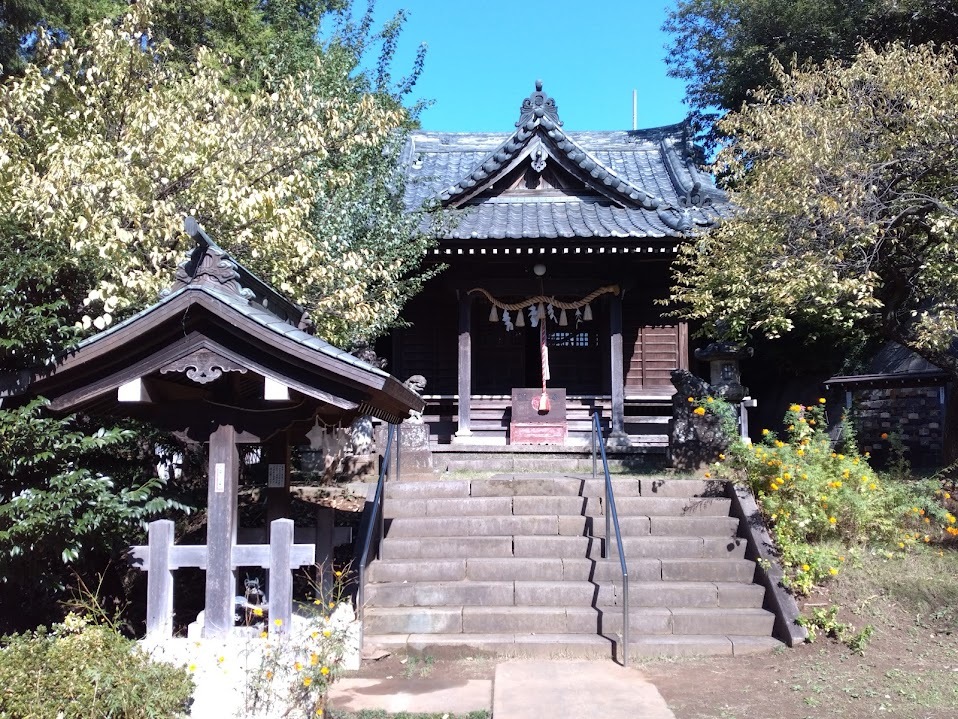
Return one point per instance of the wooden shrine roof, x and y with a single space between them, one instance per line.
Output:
893 366
218 313
544 182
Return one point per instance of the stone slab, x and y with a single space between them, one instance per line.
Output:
535 689
454 696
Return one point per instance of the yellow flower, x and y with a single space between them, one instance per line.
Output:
811 421
338 573
317 602
710 400
313 660
800 452
832 520
326 632
950 518
873 486
765 432
699 411
332 604
220 660
821 400
791 427
263 635
833 571
691 399
721 457
708 474
278 622
901 545
297 666
805 567
779 443
192 667
795 408
324 671
884 435
307 681
269 675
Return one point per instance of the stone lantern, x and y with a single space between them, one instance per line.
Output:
725 373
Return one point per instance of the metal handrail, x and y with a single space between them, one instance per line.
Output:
612 519
376 524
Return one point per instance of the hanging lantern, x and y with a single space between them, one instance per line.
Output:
563 320
587 315
493 315
520 318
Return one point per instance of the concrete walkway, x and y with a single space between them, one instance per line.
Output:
522 689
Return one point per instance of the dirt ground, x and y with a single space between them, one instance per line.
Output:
909 668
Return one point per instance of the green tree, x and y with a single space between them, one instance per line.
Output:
846 180
109 136
722 48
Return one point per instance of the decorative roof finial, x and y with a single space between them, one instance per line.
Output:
536 107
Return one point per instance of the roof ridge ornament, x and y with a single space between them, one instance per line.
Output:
537 106
208 263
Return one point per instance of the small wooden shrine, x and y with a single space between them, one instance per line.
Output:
222 359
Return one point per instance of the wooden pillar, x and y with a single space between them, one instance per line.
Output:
280 577
159 581
616 371
465 364
278 501
221 526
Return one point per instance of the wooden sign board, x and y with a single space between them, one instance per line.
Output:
530 425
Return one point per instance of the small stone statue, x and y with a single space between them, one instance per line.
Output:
417 383
361 436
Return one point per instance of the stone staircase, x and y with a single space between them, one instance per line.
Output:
513 565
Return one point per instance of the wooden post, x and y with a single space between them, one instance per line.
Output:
465 364
280 577
221 531
159 581
278 500
615 371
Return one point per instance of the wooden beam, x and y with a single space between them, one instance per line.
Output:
465 364
616 369
221 525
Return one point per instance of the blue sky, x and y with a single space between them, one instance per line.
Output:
484 57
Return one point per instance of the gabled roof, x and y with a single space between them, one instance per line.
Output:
637 184
217 307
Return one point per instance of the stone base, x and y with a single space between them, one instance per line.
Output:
538 432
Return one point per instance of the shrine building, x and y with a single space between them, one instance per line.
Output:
576 228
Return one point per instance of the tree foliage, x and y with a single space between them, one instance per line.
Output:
106 146
721 48
109 135
846 182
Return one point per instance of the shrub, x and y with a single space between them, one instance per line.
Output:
80 670
812 492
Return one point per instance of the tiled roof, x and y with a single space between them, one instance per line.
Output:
642 184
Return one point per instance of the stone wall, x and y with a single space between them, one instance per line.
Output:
913 413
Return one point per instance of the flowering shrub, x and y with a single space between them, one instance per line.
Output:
298 666
812 492
719 408
80 669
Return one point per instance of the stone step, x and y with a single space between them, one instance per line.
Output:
569 645
558 568
590 646
562 620
556 484
448 548
562 593
490 593
647 547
